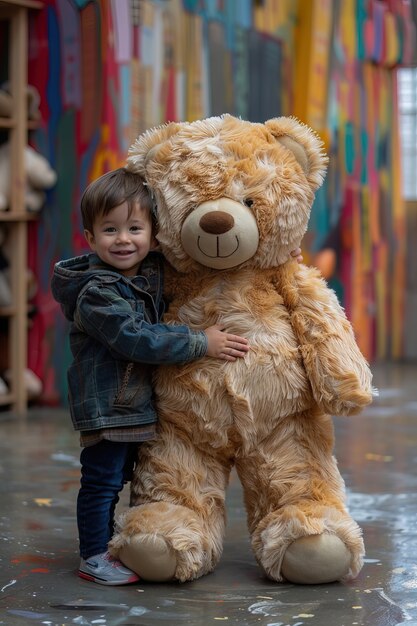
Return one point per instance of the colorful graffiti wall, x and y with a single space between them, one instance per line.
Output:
109 69
361 213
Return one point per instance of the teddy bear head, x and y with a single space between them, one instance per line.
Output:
230 193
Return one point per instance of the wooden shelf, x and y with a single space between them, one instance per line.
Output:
10 122
26 4
15 12
18 216
7 398
7 311
7 122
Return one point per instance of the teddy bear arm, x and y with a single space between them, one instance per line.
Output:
339 374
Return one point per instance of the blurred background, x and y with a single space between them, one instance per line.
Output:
96 73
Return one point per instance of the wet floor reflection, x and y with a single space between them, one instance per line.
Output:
377 454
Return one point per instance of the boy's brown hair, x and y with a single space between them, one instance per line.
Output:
111 190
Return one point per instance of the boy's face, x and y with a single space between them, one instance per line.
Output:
122 241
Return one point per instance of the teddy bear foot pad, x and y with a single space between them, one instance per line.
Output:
316 559
150 557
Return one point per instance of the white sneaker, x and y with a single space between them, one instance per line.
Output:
104 569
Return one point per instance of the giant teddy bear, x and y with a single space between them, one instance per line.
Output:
233 199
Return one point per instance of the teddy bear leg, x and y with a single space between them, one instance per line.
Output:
294 495
161 541
175 528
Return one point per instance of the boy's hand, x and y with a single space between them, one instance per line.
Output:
223 345
297 255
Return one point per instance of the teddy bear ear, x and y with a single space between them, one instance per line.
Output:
304 143
145 146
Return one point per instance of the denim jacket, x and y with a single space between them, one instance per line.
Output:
116 340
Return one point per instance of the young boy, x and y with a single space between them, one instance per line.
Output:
113 298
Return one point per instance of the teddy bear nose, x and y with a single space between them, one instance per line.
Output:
217 222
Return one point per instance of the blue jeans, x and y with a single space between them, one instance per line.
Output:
105 468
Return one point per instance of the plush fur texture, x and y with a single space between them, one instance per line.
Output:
269 414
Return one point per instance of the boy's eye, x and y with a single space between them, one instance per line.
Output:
109 229
135 229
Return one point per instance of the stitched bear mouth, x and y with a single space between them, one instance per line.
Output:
218 254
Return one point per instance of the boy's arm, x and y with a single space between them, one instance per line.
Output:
108 318
104 315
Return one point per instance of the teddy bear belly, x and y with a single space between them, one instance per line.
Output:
244 400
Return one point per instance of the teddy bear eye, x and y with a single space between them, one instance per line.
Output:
248 202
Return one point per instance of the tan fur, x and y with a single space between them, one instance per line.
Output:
269 413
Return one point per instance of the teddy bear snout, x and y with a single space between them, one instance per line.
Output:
220 233
217 222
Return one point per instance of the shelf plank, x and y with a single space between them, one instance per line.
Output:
18 216
7 122
26 4
7 398
7 311
10 122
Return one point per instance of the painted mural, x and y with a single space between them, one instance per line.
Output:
109 69
361 216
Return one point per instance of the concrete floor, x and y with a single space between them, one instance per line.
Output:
377 455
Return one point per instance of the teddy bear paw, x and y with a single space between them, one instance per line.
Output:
316 559
150 557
